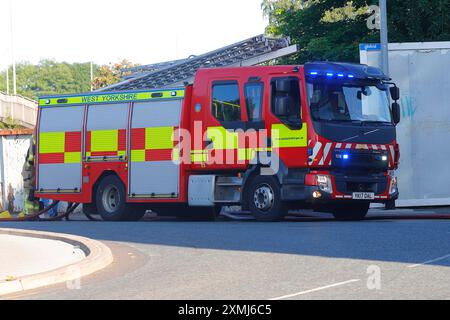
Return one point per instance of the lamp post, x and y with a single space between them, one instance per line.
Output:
12 47
92 76
7 79
384 37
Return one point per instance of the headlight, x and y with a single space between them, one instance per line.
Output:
324 183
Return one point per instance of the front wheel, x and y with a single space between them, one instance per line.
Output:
264 199
111 200
351 211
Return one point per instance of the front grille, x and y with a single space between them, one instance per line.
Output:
349 183
361 187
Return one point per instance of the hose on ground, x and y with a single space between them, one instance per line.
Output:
70 209
33 216
65 215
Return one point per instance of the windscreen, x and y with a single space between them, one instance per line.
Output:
335 101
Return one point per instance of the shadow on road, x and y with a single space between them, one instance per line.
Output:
395 241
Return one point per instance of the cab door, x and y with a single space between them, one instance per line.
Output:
288 130
224 124
255 141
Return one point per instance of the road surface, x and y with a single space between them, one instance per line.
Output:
168 259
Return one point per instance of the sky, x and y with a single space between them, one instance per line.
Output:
105 31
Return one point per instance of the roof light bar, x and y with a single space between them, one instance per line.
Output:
331 74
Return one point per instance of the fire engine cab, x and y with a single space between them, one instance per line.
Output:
269 139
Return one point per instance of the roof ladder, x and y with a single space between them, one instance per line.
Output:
249 52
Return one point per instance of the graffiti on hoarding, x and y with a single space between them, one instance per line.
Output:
409 107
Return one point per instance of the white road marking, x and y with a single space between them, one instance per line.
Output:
429 261
316 289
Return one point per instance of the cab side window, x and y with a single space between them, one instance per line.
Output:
254 93
226 103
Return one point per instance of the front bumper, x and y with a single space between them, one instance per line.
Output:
343 188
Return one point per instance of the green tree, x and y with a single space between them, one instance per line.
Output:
332 29
49 77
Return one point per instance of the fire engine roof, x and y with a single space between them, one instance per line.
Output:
339 69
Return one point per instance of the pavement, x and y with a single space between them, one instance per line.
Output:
23 256
299 258
35 259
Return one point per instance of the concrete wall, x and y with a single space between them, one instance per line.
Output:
22 110
422 71
14 145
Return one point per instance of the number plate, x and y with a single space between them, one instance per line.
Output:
363 196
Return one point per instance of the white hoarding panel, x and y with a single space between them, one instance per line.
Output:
422 71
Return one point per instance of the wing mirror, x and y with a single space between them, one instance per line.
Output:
395 93
396 113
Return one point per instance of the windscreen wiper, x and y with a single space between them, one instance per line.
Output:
386 123
346 120
337 120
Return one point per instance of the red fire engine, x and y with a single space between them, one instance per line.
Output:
268 139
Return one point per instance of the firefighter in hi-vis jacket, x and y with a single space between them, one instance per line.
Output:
31 204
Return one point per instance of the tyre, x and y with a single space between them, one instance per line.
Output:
351 211
263 197
110 200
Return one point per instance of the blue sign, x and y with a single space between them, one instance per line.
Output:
369 47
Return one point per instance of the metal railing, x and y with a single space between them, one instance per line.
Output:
18 109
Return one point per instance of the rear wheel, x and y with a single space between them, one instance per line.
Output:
111 200
264 199
351 211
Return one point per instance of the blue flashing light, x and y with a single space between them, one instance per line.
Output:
351 76
340 75
345 156
329 74
314 73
